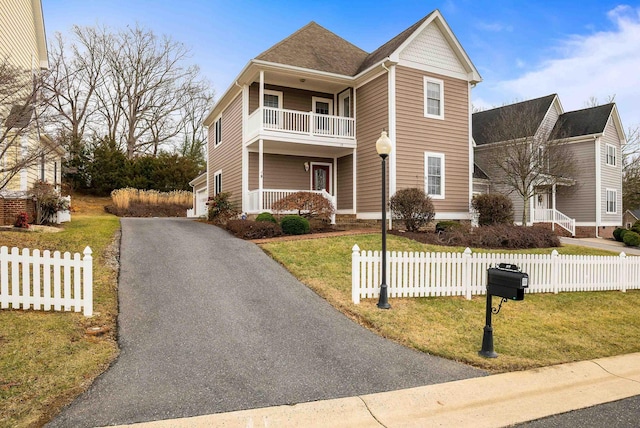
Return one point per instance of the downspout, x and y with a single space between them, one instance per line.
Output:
391 72
598 185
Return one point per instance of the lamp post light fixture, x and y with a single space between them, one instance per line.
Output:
383 147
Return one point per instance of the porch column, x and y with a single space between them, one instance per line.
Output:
261 95
355 182
260 174
553 197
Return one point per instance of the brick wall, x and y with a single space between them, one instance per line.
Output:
10 208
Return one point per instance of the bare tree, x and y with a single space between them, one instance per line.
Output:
129 86
525 153
75 75
631 170
150 85
21 104
194 137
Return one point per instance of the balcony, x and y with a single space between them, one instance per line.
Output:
277 123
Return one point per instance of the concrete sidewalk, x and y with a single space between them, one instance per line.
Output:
491 401
603 244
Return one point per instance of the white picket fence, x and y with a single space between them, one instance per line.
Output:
412 274
43 281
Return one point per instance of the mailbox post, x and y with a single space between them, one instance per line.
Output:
508 282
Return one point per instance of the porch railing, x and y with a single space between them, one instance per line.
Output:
299 122
269 196
541 215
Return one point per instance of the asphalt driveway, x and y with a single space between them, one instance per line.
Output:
208 323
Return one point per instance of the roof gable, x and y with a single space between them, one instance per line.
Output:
589 121
484 123
316 48
428 43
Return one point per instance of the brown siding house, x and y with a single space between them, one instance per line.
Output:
305 115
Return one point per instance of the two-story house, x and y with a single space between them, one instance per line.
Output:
23 47
585 203
306 113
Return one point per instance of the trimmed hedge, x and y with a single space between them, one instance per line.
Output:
493 208
265 216
502 236
413 207
295 225
249 229
631 239
617 234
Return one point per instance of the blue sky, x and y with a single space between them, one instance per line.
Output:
522 49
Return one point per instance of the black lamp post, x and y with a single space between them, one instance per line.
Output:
383 147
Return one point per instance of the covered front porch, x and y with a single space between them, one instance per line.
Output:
275 169
544 208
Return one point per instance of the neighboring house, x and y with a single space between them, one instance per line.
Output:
306 113
630 217
23 45
589 202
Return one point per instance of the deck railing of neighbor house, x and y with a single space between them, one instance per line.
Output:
43 281
299 122
269 196
412 274
554 217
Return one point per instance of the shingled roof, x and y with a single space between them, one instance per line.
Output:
588 121
314 47
484 122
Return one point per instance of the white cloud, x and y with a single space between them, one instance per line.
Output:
599 65
494 27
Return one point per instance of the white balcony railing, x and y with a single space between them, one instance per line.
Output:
554 217
269 196
299 122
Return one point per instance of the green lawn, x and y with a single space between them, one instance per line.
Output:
542 330
46 358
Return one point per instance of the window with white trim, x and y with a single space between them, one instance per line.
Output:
217 182
434 175
433 98
612 201
217 132
611 155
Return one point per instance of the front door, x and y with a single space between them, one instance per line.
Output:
320 177
542 201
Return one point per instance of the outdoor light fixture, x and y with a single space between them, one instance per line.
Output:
306 166
383 147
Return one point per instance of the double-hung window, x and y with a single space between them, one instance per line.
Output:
433 98
612 199
611 155
217 182
434 174
217 132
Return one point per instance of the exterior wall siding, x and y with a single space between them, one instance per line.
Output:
227 156
417 134
372 110
579 201
283 171
292 98
611 175
345 183
18 33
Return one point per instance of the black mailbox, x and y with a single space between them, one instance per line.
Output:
506 281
